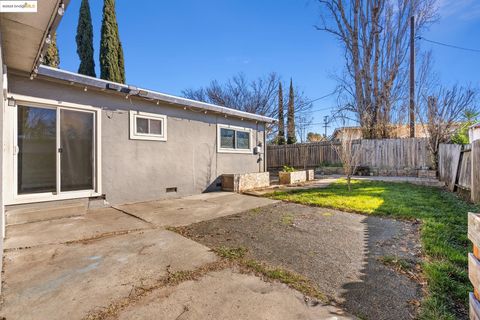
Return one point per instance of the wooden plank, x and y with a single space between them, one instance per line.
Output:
465 172
474 307
475 171
474 270
474 229
448 162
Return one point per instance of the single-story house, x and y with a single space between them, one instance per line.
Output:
67 136
474 132
397 131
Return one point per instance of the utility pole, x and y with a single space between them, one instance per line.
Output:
412 76
325 124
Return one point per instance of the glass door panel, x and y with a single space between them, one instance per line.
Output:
76 150
37 150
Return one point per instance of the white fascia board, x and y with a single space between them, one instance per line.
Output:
76 78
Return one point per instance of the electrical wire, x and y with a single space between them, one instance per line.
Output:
448 45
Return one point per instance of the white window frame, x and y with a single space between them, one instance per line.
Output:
10 151
234 150
134 135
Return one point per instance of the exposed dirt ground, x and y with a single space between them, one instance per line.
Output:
368 265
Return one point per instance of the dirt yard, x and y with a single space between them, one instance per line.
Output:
368 265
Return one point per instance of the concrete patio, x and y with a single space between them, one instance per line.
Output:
72 268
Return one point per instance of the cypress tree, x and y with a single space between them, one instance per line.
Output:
281 120
291 139
84 40
112 65
52 57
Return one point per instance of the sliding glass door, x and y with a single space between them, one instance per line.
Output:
56 150
76 150
37 150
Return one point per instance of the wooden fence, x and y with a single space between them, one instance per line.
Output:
385 153
475 167
474 264
458 167
302 155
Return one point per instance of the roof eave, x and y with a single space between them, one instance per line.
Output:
75 78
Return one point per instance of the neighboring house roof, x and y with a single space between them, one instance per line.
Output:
475 126
401 131
128 90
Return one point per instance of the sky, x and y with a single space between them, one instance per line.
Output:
170 46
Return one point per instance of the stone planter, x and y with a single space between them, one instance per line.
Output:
310 175
245 182
292 177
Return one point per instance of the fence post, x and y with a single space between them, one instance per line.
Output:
474 264
475 162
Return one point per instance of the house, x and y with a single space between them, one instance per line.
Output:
69 136
474 132
397 131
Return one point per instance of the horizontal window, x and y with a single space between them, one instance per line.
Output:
148 126
234 139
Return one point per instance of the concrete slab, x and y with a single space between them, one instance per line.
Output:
67 281
93 224
188 210
228 295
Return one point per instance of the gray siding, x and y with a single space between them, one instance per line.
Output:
136 170
2 207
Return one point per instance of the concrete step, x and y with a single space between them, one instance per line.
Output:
33 212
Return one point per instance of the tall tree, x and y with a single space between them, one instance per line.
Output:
281 116
374 35
84 40
52 57
440 113
112 65
258 96
291 139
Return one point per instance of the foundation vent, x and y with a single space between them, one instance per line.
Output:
171 189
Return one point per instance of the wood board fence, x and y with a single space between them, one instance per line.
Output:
385 153
474 264
458 167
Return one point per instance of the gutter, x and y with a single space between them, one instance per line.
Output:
128 90
57 15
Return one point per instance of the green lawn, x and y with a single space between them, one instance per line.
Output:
444 232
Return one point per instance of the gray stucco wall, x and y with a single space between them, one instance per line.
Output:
2 208
137 170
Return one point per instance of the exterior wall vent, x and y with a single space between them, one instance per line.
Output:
171 189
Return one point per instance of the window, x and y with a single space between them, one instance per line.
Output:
234 139
148 126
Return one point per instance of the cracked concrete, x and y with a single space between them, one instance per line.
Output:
97 222
58 281
188 210
68 268
228 295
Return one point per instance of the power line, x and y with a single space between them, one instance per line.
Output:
449 45
320 98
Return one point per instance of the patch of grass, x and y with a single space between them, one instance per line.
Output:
112 310
443 234
230 253
256 211
400 264
287 219
291 279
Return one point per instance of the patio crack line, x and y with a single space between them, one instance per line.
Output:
84 240
132 215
